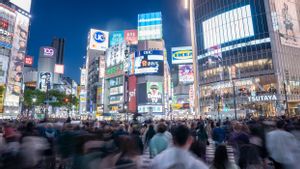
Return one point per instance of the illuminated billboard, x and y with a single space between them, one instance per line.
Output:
228 26
116 38
132 80
288 22
98 40
150 109
28 60
23 4
154 92
131 37
6 27
150 26
186 74
182 55
15 73
83 76
59 69
149 62
3 69
45 79
115 55
47 51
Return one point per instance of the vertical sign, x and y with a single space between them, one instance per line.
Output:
131 37
132 94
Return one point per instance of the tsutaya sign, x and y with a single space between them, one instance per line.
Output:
262 98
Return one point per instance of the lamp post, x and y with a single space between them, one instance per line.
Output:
190 4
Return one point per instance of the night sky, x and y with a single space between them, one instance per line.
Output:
72 19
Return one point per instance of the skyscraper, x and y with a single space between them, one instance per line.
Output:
59 45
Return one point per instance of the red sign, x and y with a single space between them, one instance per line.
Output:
132 94
131 37
28 60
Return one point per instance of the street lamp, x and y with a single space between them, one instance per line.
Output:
190 4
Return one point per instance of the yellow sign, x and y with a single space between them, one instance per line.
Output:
2 91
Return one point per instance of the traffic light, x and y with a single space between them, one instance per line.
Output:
66 100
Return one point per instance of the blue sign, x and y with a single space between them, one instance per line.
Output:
116 38
99 37
150 26
149 62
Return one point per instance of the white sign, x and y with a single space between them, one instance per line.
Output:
116 90
23 4
150 109
59 69
262 98
98 40
115 55
48 51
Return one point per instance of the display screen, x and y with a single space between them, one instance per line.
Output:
186 74
149 62
181 55
228 26
154 92
116 37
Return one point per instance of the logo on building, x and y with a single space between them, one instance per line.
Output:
48 52
262 98
99 37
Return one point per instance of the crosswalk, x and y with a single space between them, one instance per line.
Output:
210 153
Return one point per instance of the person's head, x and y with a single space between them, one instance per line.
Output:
221 157
218 124
280 124
249 156
182 137
161 128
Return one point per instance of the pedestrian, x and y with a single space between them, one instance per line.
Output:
178 156
218 134
221 160
249 158
159 141
149 134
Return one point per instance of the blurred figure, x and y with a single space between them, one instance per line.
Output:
159 141
221 159
249 158
178 156
218 134
149 134
281 146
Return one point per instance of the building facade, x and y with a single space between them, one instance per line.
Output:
247 55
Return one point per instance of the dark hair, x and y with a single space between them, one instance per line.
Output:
221 157
161 128
249 156
280 124
181 134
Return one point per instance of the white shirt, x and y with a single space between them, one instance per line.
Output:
176 158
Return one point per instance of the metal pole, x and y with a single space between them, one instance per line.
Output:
195 58
234 100
286 99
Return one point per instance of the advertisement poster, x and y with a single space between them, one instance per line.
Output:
154 92
132 94
59 69
3 69
115 55
182 55
23 4
288 21
131 37
98 40
28 60
150 26
101 67
131 63
2 92
116 38
186 74
13 90
44 80
149 62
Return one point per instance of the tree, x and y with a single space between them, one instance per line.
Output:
30 95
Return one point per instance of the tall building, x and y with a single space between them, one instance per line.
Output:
249 55
95 67
59 45
15 21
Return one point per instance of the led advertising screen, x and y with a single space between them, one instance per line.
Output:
28 61
131 37
131 63
98 40
150 109
47 51
16 66
132 94
116 38
45 79
59 69
288 22
6 28
149 62
186 73
23 4
150 26
228 26
154 92
115 55
3 69
182 55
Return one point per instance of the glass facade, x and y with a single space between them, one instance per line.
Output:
234 54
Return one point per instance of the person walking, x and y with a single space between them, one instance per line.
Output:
159 141
218 134
221 160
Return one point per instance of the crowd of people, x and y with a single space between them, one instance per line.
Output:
176 144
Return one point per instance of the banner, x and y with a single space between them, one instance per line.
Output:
288 22
182 55
3 68
132 94
131 37
154 92
186 73
116 38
